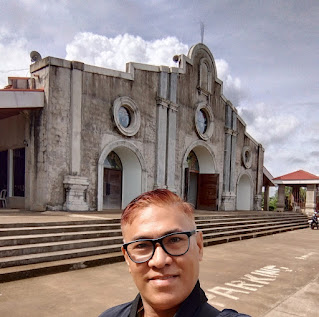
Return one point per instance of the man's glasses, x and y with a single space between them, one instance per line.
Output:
175 244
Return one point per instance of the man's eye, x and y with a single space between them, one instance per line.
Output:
174 239
141 245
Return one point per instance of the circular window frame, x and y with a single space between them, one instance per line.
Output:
247 163
210 121
134 113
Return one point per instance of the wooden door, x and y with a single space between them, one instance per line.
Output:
207 194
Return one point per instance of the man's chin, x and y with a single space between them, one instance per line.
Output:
164 302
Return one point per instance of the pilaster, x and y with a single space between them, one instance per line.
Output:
161 133
76 110
171 134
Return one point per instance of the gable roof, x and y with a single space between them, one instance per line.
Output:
297 177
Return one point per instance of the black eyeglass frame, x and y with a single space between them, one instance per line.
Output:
160 241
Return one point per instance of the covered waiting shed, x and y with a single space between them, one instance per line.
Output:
296 180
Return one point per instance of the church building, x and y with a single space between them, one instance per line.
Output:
78 137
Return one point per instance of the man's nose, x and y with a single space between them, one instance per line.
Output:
160 257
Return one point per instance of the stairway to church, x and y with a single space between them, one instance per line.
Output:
33 249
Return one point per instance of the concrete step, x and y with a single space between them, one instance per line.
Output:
25 249
246 224
57 229
208 233
59 223
57 255
32 249
38 238
230 238
13 273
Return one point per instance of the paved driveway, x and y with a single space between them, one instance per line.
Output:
270 276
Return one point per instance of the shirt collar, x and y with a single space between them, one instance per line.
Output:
187 309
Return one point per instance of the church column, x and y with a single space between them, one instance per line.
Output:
76 186
171 134
281 198
161 145
266 198
310 199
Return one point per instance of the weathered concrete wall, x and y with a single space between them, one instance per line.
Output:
76 129
51 145
188 98
99 129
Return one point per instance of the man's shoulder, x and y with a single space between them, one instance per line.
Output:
118 311
231 313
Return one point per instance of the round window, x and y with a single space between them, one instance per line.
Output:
124 117
202 121
247 156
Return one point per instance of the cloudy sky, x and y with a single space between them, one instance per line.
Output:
267 54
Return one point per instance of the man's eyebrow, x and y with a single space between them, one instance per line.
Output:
139 237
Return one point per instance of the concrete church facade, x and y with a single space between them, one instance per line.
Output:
99 137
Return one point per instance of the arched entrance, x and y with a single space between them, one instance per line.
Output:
112 182
121 175
244 193
200 182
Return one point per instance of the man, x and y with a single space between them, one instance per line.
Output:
162 250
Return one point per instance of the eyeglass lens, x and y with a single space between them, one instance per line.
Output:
176 244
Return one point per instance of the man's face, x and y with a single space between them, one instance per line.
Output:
164 281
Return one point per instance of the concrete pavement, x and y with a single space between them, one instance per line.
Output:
269 276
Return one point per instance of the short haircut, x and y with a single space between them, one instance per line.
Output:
157 197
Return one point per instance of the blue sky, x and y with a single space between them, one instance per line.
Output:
266 54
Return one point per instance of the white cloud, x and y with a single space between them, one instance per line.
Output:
15 60
232 87
116 52
267 125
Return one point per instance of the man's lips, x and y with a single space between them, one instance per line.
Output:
163 277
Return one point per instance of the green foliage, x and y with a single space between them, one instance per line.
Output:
273 202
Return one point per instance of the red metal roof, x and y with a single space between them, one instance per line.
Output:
298 175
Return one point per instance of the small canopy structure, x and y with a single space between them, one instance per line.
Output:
296 180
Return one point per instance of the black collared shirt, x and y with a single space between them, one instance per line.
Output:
195 305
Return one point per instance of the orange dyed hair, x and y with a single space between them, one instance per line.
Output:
157 197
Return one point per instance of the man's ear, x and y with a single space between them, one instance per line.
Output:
127 260
200 244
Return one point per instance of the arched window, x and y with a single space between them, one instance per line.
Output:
113 161
205 75
192 162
